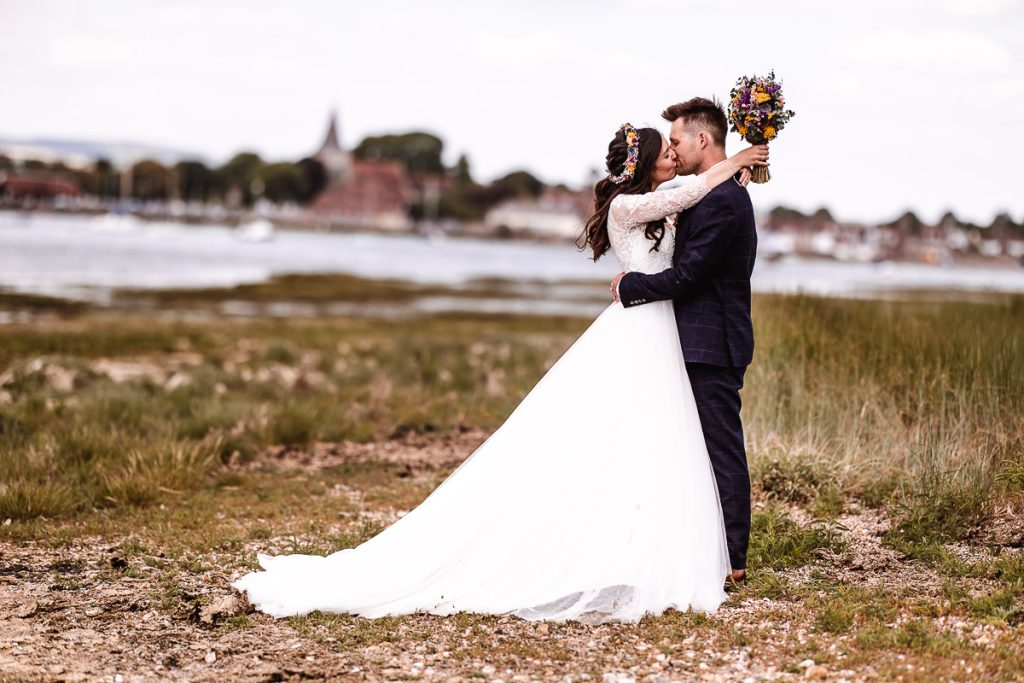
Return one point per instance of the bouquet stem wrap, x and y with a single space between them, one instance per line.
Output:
757 113
760 174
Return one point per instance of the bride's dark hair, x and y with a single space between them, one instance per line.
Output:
595 234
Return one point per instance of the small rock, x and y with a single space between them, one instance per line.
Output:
816 672
27 610
93 612
617 678
224 606
178 379
7 522
210 657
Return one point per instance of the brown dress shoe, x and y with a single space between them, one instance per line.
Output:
735 581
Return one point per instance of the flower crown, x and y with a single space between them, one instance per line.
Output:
632 154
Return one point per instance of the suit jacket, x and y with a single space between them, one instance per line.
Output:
709 283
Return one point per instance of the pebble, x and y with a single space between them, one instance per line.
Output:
816 672
210 657
617 678
27 610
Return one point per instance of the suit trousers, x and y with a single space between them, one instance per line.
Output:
717 392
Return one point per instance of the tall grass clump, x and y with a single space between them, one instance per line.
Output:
927 392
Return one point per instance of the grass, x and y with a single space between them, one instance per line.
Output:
323 289
778 542
911 408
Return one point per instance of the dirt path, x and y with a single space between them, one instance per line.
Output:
81 611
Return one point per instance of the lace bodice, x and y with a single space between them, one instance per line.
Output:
629 213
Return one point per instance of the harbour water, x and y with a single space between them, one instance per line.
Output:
85 257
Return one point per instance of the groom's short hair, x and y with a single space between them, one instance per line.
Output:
700 113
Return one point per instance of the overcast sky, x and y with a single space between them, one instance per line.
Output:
899 104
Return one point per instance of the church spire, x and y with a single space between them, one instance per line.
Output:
331 142
336 161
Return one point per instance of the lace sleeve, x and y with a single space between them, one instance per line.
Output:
637 209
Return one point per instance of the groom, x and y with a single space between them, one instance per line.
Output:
709 285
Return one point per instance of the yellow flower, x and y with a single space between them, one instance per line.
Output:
769 132
743 130
762 97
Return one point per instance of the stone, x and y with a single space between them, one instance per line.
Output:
27 609
223 606
816 672
210 657
617 678
178 379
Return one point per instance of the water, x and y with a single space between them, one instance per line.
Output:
84 257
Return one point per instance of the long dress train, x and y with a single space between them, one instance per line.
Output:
594 501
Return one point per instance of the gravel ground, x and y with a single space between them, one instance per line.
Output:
85 611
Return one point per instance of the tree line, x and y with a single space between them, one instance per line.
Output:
246 177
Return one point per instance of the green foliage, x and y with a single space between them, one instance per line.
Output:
934 514
420 152
293 423
914 635
778 542
791 479
1012 474
197 182
283 182
150 180
520 184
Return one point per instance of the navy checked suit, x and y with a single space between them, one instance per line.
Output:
709 285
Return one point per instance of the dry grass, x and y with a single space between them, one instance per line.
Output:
168 439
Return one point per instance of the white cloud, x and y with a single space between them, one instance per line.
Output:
983 8
939 49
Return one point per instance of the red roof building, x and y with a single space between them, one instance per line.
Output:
362 194
35 184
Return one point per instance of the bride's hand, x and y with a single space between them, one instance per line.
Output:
755 155
744 176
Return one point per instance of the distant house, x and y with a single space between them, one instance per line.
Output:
557 213
38 184
362 194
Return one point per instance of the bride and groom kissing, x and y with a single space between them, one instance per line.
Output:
618 487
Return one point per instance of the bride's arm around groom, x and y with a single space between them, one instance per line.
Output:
700 251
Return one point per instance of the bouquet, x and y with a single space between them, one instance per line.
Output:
756 113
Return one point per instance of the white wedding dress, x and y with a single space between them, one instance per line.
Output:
594 501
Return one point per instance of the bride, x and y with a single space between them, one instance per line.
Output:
595 500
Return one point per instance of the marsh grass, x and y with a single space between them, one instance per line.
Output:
777 542
910 406
327 288
881 389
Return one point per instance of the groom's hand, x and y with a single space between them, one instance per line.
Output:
615 287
